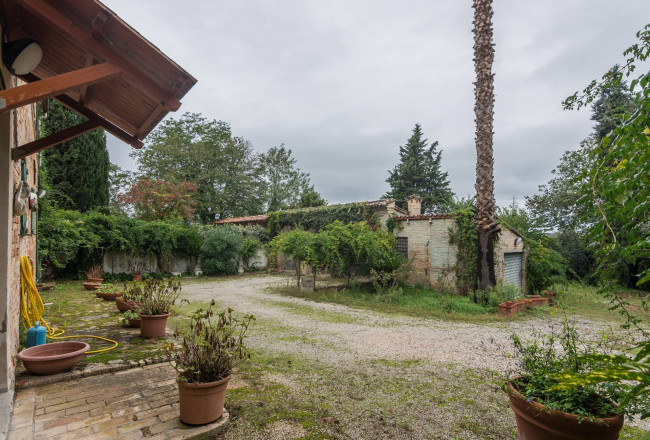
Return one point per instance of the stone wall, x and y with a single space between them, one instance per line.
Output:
430 253
118 262
22 131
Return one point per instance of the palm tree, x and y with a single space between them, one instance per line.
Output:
486 224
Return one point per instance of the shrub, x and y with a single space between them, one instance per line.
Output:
221 250
156 296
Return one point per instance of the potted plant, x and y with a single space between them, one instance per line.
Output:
108 293
544 409
136 269
131 298
157 298
205 361
131 318
95 274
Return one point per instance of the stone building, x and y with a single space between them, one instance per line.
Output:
424 240
84 56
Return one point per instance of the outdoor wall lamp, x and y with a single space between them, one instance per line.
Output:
21 56
518 240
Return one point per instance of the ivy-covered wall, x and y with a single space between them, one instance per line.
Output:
316 219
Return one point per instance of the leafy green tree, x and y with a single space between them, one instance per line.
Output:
221 250
613 106
286 185
77 170
160 200
296 244
419 172
225 168
119 181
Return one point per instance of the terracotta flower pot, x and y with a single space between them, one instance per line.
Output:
53 358
91 286
135 323
107 296
536 422
124 305
94 280
508 308
153 326
201 403
137 277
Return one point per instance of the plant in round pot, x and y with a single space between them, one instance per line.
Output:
545 408
136 269
205 361
157 298
131 318
95 274
131 298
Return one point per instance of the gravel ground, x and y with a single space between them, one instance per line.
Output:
351 340
368 334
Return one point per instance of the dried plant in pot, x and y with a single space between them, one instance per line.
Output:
157 297
205 361
95 274
545 410
136 269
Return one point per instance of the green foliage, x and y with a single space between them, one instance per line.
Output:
296 244
249 248
632 373
419 173
286 186
212 348
464 236
72 241
77 170
545 267
539 363
257 232
221 250
317 218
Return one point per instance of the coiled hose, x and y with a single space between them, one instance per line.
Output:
32 308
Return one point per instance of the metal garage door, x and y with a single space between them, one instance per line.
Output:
512 268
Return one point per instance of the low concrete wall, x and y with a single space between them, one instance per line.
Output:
118 262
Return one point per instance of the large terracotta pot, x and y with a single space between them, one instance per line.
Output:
153 326
124 305
53 358
202 403
136 277
94 280
91 286
536 422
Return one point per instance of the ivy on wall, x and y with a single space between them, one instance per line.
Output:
463 235
317 218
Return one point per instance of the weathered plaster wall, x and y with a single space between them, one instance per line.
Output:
505 244
430 253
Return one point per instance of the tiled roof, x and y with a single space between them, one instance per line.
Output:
424 217
250 219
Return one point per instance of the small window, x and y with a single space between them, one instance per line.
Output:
403 246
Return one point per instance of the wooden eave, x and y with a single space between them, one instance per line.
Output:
133 87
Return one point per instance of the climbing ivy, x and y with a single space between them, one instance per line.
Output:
463 235
317 218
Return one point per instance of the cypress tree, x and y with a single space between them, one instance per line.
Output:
419 172
77 170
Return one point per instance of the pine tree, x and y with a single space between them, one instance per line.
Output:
77 170
614 104
419 173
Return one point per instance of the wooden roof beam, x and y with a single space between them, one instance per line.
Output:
53 139
56 85
91 115
51 15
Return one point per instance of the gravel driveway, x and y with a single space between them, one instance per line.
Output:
351 333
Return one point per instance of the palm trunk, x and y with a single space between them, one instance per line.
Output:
486 225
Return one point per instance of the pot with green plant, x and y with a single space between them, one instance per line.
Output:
545 410
205 360
131 318
157 298
95 274
131 298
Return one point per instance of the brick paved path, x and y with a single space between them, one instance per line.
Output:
135 403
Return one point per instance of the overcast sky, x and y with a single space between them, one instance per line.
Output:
342 82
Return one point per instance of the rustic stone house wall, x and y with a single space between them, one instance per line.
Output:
18 238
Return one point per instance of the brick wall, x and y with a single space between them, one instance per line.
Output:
23 130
